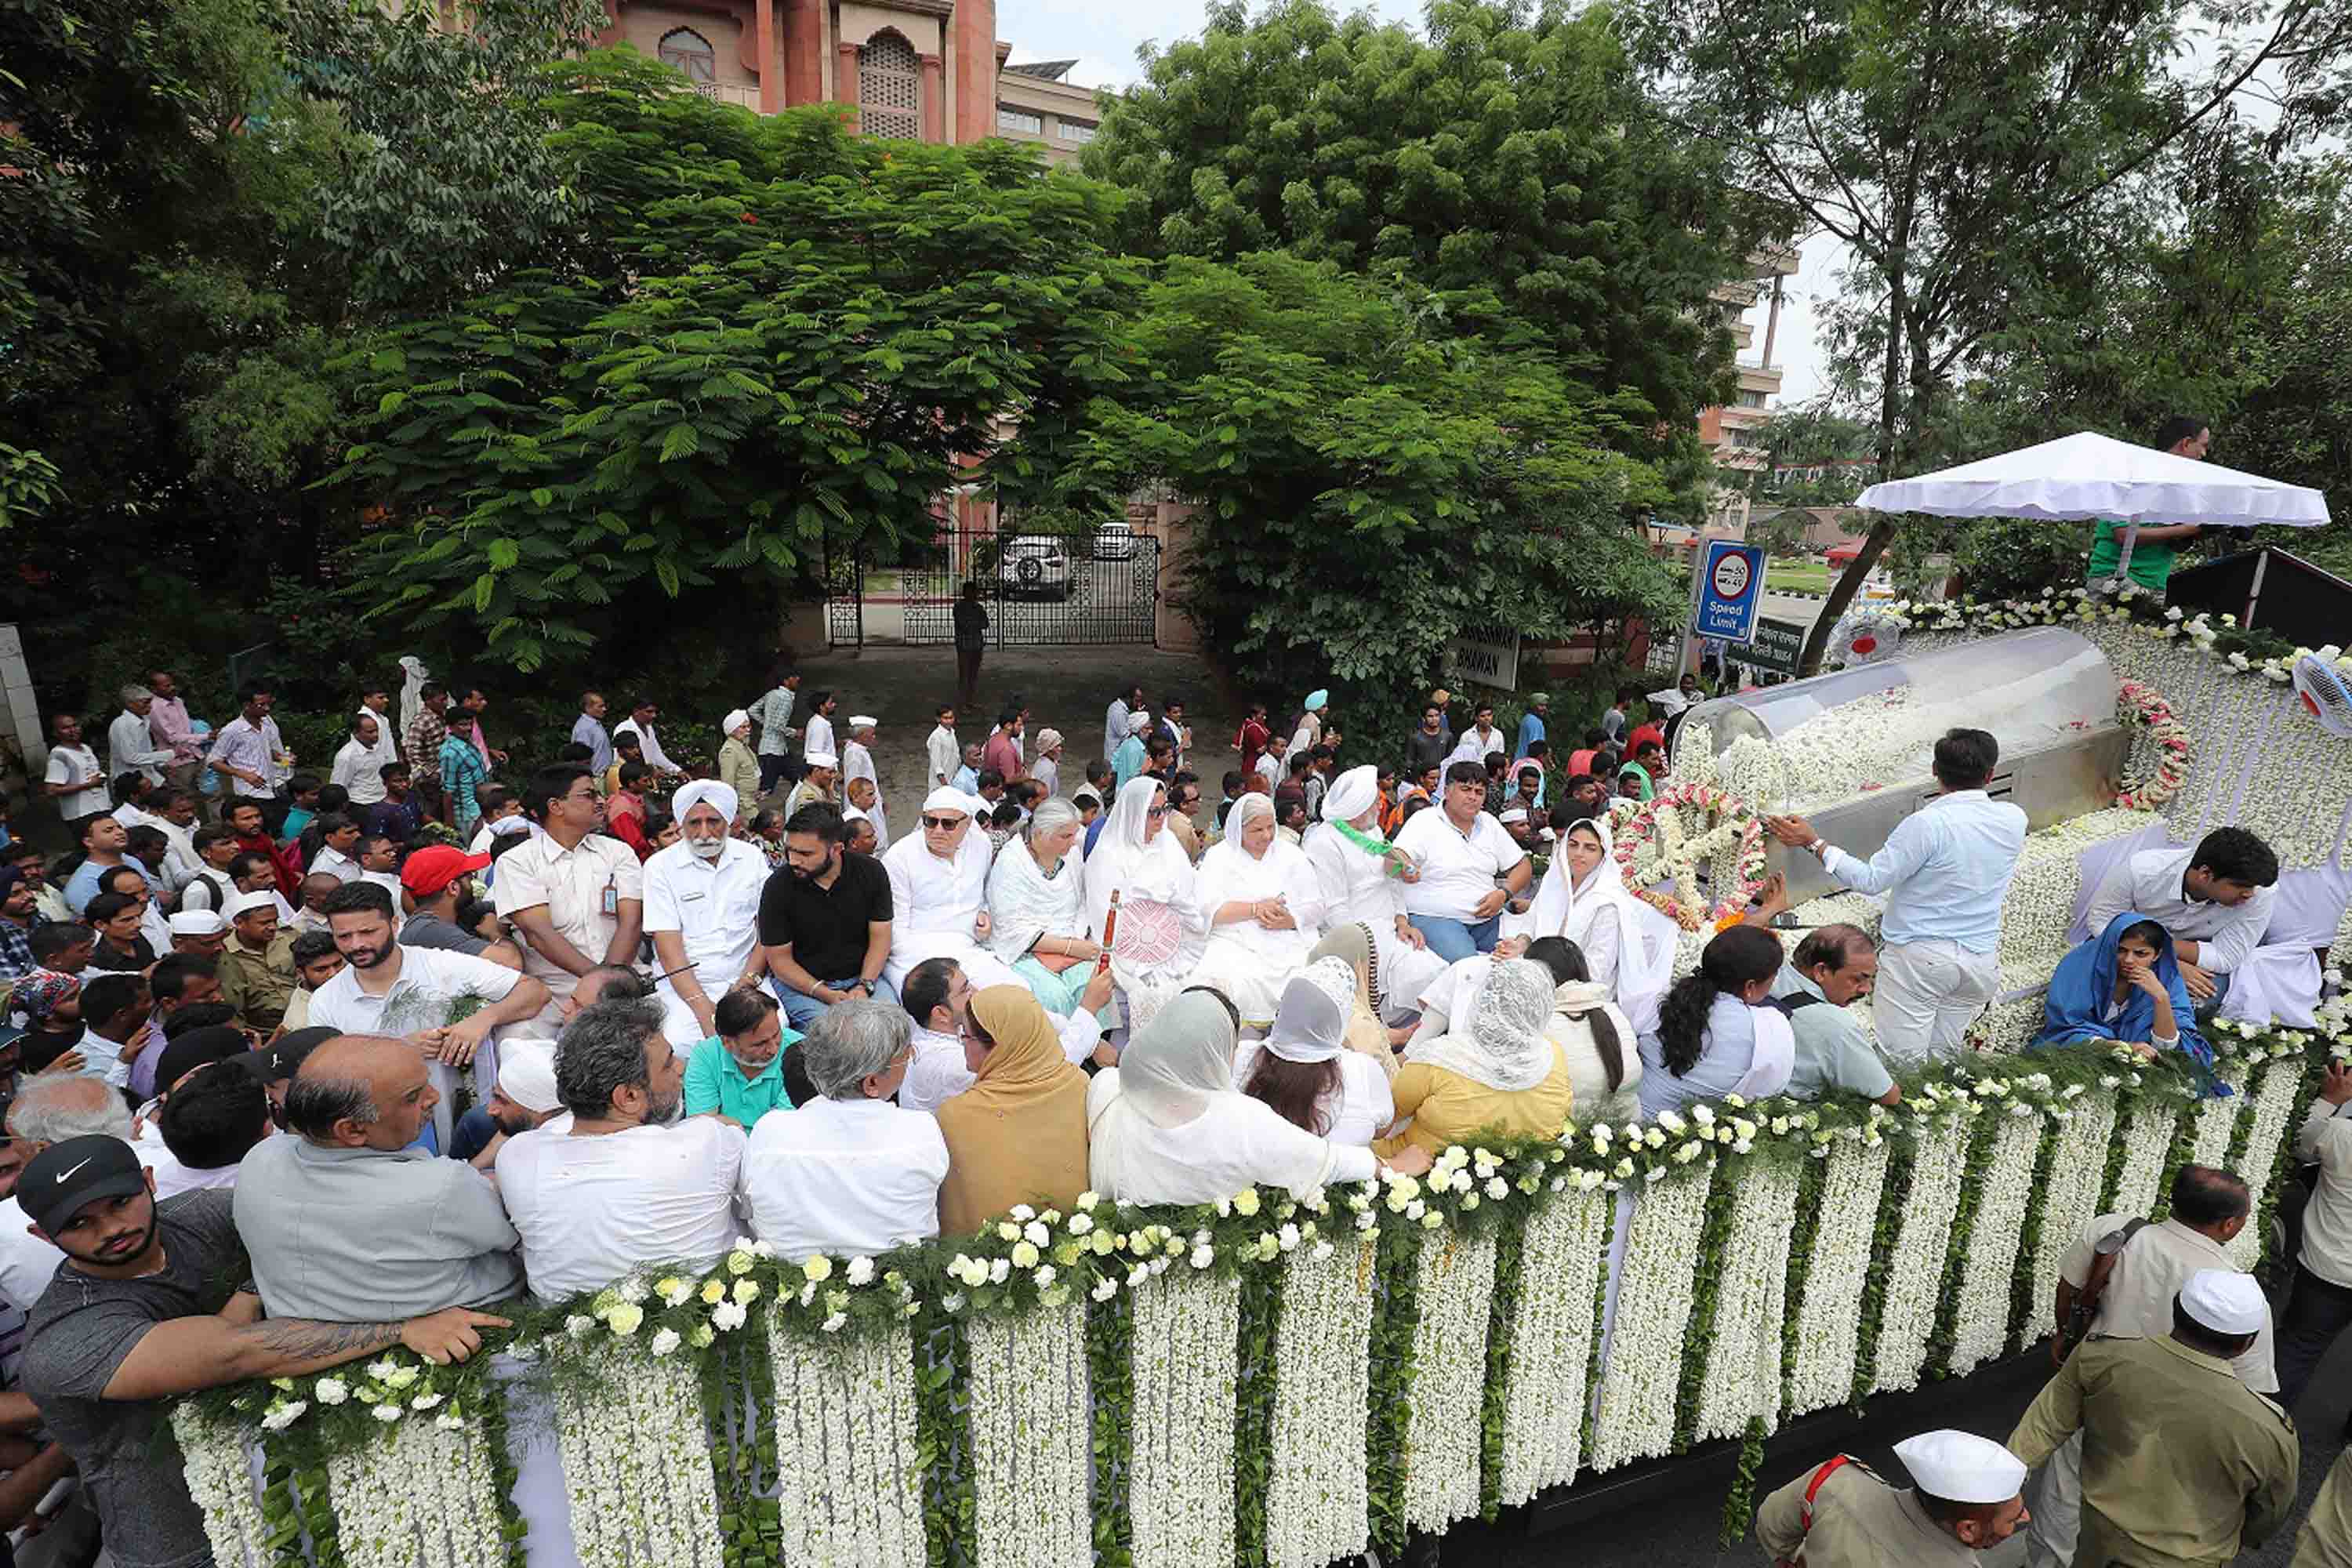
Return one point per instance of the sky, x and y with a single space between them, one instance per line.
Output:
1103 35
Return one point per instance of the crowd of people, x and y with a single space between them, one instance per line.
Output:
248 1013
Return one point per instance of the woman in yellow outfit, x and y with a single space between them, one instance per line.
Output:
1495 1072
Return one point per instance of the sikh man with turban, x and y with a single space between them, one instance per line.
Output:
702 909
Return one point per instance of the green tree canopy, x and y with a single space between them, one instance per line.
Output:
1511 150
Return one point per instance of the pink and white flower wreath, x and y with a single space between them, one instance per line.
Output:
1734 825
2144 706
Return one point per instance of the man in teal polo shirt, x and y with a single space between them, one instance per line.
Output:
2152 549
738 1073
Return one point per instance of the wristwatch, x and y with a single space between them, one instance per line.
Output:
1820 846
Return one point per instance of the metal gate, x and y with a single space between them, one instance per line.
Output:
1039 589
844 594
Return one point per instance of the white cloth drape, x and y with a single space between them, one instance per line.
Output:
1156 884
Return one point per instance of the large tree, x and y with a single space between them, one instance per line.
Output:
768 330
1371 480
1510 150
1980 163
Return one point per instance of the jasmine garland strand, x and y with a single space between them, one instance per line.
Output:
1397 1272
2024 1283
1502 1322
1952 1277
1449 1355
1742 1379
1706 1289
2005 1194
1602 1280
1254 1386
2149 1142
1640 1370
1553 1335
2271 1124
1916 1263
1186 1323
1315 1500
1828 1271
1030 1464
2181 1151
1110 1337
2283 1164
2077 1157
1810 1182
1870 1315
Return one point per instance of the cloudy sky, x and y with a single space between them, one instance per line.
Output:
1103 35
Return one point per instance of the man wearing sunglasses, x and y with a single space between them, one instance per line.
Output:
938 894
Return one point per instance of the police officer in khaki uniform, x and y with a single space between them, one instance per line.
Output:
1840 1515
2181 1462
2326 1538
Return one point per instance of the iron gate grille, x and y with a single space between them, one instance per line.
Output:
845 598
1039 589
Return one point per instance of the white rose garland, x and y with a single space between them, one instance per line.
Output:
1317 1510
1743 1365
1180 1473
220 1481
2148 1139
1028 1418
1455 1296
1642 1376
1981 1326
1551 1344
848 1488
1829 1320
1923 1233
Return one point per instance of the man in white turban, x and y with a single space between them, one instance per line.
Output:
938 894
702 909
739 765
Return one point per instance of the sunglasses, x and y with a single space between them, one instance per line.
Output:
1155 812
941 822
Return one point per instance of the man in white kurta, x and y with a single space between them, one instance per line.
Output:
702 909
857 762
2217 898
938 894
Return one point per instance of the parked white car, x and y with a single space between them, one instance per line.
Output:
1033 566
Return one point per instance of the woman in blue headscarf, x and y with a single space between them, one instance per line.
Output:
2124 984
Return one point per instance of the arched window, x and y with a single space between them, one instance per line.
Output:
890 88
690 52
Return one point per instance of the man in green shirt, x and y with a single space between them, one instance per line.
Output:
2152 549
737 1074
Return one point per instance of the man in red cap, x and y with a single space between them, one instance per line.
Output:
432 883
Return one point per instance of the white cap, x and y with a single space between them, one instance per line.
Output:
948 798
197 923
2225 1302
245 903
822 759
862 721
527 1076
1516 814
1960 1466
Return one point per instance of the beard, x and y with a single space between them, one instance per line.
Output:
370 957
666 1112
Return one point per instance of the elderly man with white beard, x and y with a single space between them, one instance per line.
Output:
938 894
702 909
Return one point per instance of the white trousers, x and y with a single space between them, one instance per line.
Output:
1927 995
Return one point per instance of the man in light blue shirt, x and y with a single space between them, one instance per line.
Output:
588 731
1834 966
1532 723
1943 871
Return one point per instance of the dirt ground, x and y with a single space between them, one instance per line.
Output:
1065 689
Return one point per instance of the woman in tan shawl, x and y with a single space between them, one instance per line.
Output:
1018 1135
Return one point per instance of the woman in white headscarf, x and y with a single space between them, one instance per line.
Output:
1304 1068
1158 935
1496 1070
1166 1125
1264 910
1628 947
1363 876
1037 908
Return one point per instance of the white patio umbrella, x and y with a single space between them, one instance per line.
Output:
2087 475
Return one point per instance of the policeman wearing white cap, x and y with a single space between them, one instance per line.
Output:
857 762
1964 1498
2181 1461
817 784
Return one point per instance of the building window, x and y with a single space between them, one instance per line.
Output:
1019 121
1074 130
889 90
690 52
1752 399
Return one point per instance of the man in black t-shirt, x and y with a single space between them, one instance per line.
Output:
143 1310
824 920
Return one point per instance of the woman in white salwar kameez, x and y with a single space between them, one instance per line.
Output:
938 894
1264 910
1158 936
1304 1069
1166 1125
1037 908
1628 947
1362 878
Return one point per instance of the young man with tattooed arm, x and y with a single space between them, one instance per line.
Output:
145 1307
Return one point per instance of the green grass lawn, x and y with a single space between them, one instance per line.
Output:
1796 577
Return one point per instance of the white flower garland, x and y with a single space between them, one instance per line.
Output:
1028 1415
1923 1233
1455 1296
1180 1473
1551 1344
1828 1318
2217 1121
2274 1102
2070 1196
2148 1139
424 1495
848 1488
1317 1510
636 1465
1643 1374
1980 1327
1743 1363
220 1481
